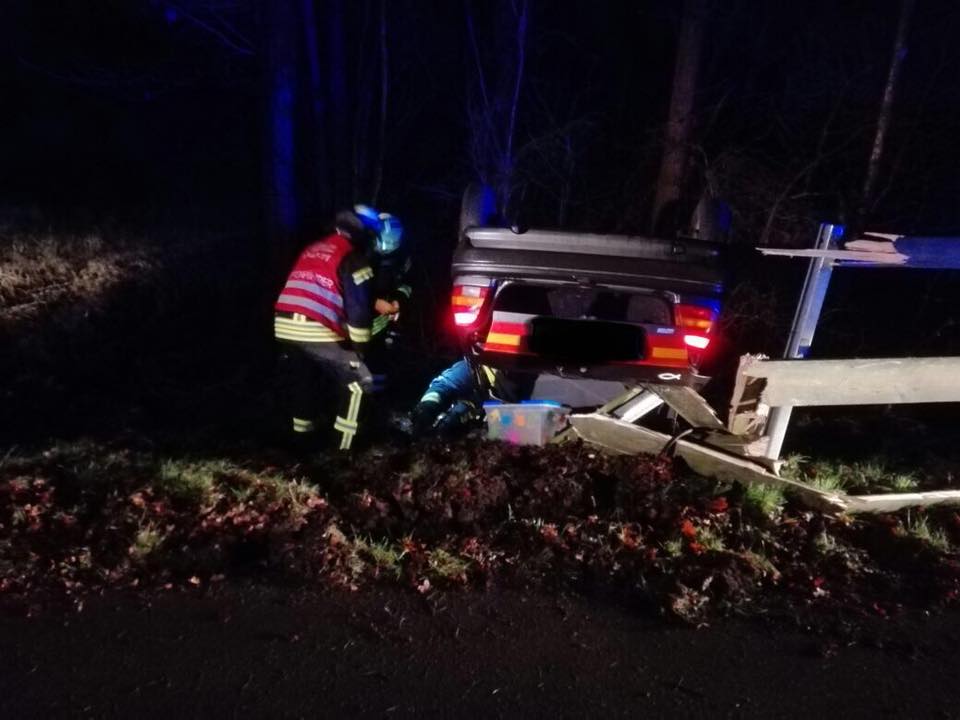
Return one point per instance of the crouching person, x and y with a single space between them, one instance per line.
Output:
323 321
453 402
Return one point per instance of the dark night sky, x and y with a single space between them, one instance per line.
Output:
131 107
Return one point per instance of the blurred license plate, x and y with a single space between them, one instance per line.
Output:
586 341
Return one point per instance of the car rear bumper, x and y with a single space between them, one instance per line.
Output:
628 373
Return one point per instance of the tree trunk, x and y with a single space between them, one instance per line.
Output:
500 63
673 164
280 186
384 98
886 111
363 98
319 170
340 110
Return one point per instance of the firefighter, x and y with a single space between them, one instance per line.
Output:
392 290
454 399
323 321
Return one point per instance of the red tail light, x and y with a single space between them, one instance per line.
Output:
467 300
508 333
697 321
699 342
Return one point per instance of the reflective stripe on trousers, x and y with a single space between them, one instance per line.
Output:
302 425
348 426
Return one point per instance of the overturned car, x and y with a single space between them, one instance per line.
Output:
628 309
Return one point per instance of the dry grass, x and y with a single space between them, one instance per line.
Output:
385 556
191 481
921 528
448 566
148 540
40 270
73 303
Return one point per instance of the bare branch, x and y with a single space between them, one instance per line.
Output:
886 107
241 45
472 34
521 60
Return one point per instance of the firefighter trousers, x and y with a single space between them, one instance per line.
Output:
326 384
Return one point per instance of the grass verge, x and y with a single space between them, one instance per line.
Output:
78 518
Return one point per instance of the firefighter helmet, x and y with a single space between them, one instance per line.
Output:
352 226
369 217
391 234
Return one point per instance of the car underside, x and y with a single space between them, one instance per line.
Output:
631 309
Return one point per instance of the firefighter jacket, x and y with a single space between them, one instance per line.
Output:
459 383
391 284
328 296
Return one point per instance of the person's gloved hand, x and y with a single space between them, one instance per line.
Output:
462 417
424 416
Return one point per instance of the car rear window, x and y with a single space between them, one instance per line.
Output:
576 303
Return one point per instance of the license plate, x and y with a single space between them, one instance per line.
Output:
585 341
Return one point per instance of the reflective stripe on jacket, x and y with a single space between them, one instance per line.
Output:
380 323
300 328
326 296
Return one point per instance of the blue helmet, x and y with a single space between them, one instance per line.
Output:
391 234
370 219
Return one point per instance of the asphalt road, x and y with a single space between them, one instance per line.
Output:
270 652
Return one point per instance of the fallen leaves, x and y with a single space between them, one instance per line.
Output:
719 505
688 605
442 516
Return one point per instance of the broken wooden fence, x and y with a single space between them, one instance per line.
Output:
723 453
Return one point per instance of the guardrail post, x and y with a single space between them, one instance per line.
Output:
804 326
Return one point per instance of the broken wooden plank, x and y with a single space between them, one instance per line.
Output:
873 244
626 397
929 253
747 416
754 450
884 381
689 405
630 439
899 501
858 256
638 407
620 400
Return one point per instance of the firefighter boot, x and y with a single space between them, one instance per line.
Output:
304 440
